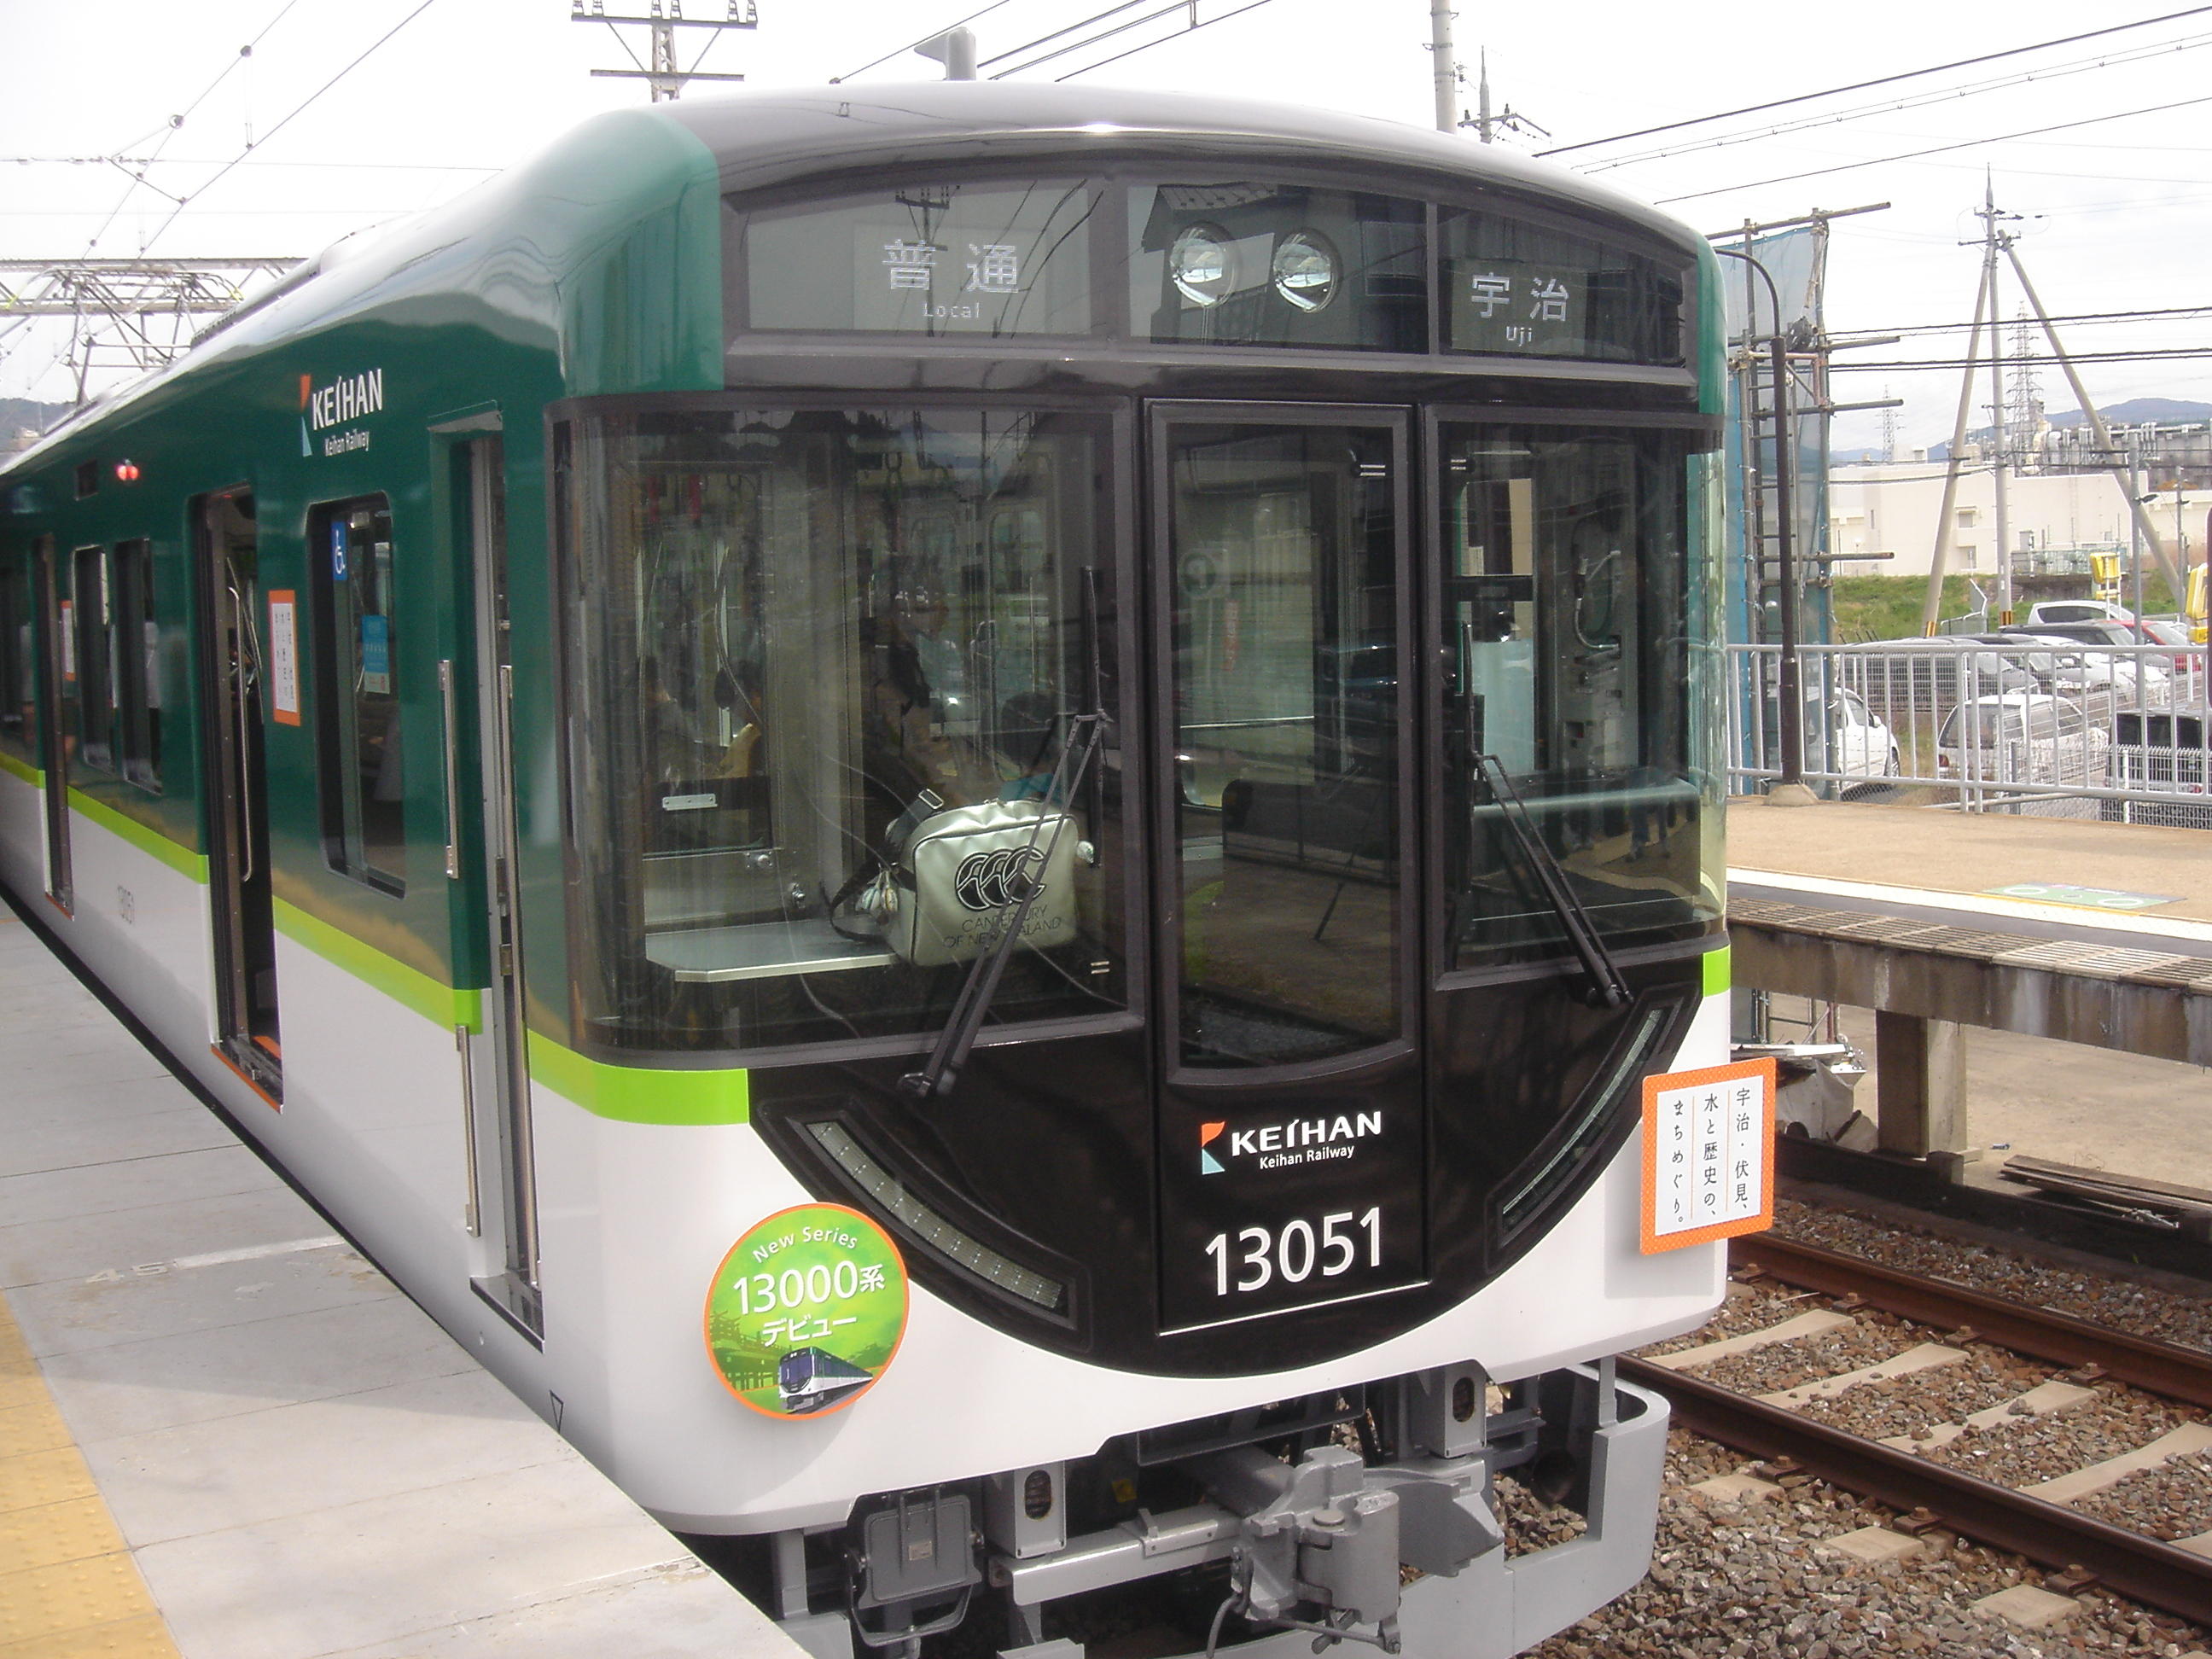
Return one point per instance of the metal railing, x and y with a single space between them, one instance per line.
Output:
2040 727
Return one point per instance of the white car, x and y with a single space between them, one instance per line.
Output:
2070 664
2078 611
1860 743
2021 737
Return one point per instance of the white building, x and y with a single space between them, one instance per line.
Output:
1881 518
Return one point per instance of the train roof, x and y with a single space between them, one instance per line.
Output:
777 137
562 206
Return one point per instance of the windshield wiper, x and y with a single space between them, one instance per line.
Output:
942 1071
1608 988
1085 733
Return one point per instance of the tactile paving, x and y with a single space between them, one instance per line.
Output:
69 1588
142 1637
54 1532
70 1595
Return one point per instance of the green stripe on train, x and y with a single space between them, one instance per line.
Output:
641 1094
632 1094
1718 977
23 769
150 841
446 1005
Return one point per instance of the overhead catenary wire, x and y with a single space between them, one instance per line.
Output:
1251 5
2156 354
297 109
1936 149
1879 81
1892 107
922 40
1845 339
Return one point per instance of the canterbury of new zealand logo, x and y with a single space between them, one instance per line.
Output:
993 880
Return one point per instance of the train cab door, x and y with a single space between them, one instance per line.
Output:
502 1200
58 675
236 676
1292 1128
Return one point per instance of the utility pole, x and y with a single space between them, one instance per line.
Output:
664 18
1488 126
1443 67
1991 239
2098 433
1933 602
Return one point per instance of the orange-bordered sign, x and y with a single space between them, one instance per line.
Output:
1708 1155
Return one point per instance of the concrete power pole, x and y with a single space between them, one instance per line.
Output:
1999 448
664 18
1487 126
1443 67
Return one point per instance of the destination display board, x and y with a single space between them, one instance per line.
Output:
994 259
1516 289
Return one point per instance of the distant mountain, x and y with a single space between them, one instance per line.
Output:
2136 411
19 414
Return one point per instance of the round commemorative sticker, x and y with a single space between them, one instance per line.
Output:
807 1311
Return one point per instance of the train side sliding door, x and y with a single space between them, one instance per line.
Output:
1292 1142
57 641
501 1163
236 676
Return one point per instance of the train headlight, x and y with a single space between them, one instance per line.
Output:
1202 266
1305 270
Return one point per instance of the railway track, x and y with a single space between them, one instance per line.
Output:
2039 1521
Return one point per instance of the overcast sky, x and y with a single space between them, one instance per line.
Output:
2115 208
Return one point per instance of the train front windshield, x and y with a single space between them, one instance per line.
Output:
847 681
815 639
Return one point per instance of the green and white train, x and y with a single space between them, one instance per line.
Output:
983 820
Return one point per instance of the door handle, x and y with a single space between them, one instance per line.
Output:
453 763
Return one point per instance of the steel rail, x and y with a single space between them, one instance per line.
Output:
2160 1368
2139 1567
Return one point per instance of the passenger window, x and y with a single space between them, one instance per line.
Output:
18 659
357 701
135 650
96 676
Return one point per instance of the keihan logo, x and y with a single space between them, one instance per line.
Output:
1207 1133
1318 1139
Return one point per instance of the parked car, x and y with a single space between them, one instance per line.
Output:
2097 630
2078 611
1860 743
2021 737
2133 677
1898 676
2163 754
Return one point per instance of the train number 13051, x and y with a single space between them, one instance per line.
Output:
1296 1251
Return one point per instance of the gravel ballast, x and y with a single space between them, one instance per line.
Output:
1737 1580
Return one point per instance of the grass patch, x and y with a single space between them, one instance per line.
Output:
1888 607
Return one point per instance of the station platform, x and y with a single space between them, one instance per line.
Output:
1922 864
224 1435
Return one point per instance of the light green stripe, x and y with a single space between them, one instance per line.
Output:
1718 978
152 843
447 1005
638 1094
23 769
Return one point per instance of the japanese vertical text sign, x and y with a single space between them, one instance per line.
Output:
283 658
1708 1155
